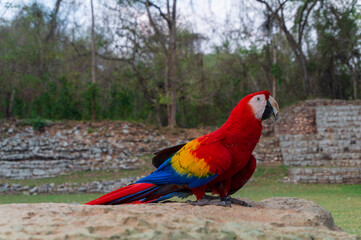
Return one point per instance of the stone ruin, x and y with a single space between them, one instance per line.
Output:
319 140
323 144
26 153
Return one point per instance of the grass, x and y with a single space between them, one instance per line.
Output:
58 198
87 176
343 201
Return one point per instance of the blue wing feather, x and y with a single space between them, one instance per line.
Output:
166 174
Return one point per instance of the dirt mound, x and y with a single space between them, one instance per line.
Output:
274 218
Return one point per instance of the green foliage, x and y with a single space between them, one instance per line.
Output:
91 92
61 198
337 50
36 123
90 130
49 78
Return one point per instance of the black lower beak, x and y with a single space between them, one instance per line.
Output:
268 111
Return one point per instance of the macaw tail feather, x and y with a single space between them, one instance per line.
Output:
133 193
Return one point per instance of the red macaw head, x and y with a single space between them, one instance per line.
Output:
263 105
259 105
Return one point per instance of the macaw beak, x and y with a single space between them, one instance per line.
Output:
271 109
275 107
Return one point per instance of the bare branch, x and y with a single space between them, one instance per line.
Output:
53 21
151 4
303 25
168 9
155 28
117 59
174 11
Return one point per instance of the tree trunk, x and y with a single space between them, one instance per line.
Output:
170 54
93 64
166 86
303 65
9 110
354 80
157 114
173 81
172 121
274 77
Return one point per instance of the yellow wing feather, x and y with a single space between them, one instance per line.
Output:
185 161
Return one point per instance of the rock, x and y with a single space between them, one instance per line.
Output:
38 172
16 186
4 187
323 217
34 190
25 188
82 189
274 218
10 131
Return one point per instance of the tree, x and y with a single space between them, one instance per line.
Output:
295 40
93 97
337 48
30 44
142 43
169 47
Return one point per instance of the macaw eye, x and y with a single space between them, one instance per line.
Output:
258 98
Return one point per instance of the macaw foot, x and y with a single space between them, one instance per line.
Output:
203 202
224 202
207 200
210 197
239 202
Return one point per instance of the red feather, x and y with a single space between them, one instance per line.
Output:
121 193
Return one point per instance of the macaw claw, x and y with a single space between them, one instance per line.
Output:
240 202
225 202
205 202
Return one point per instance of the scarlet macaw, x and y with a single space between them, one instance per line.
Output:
220 162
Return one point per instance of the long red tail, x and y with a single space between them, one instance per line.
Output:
129 194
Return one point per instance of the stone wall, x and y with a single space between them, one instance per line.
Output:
70 147
268 151
325 175
315 133
320 150
300 118
336 146
30 154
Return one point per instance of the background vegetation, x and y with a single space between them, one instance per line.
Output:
148 64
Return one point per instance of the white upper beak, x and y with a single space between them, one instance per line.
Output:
274 104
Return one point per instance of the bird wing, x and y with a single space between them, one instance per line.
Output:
195 164
241 178
161 156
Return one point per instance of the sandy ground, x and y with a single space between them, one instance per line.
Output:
275 218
